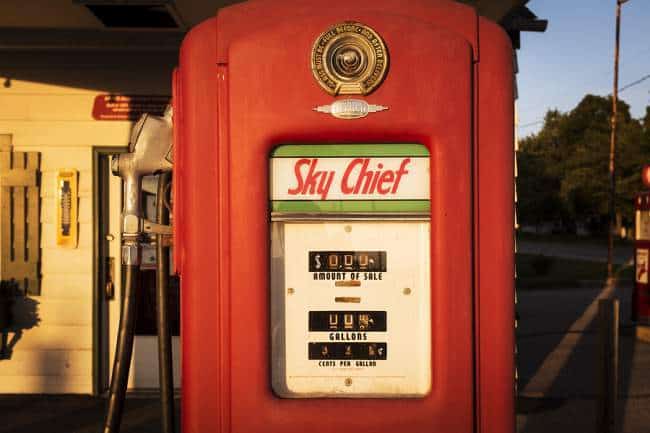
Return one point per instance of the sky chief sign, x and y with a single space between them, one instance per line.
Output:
350 173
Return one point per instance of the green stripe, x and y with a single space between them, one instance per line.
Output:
346 150
351 206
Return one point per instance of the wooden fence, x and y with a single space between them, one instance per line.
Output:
19 217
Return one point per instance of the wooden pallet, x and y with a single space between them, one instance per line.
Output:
19 217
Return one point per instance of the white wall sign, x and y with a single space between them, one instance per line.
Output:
642 266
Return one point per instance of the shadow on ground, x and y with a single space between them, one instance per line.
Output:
75 414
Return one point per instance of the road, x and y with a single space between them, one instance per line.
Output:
584 250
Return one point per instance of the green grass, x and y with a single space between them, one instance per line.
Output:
539 272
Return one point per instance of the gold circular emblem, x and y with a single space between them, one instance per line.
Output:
349 59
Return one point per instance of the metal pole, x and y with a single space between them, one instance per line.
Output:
165 363
608 325
612 148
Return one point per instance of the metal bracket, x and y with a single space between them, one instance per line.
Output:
156 229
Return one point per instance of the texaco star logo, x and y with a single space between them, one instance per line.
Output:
349 59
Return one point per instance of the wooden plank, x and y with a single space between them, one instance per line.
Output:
33 225
34 284
15 177
18 218
5 216
16 209
19 270
33 219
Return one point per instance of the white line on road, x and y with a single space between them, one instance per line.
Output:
540 384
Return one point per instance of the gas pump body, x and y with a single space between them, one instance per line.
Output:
641 296
243 89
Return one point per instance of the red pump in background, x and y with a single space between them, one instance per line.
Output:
343 213
641 296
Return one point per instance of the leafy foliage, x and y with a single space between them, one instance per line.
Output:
564 169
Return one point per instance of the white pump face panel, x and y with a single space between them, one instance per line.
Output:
350 290
363 329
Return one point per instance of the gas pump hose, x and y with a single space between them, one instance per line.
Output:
123 352
165 369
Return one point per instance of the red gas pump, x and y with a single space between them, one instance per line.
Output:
641 297
343 213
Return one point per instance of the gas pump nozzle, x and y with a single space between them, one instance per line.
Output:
150 153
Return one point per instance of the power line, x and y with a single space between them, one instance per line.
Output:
621 89
634 83
528 125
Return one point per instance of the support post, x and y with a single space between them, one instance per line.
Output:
607 400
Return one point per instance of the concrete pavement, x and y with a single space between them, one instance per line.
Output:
558 345
75 414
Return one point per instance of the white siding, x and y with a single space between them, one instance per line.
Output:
46 102
55 355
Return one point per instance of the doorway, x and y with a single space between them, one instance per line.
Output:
143 374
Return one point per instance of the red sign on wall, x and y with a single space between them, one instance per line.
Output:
128 107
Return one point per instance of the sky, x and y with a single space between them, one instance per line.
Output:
575 57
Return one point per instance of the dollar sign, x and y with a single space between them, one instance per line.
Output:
317 258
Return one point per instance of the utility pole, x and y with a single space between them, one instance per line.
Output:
612 147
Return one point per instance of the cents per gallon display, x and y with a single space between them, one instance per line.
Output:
353 261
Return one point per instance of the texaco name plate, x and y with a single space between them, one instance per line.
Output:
350 109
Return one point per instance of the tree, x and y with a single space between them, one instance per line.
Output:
646 129
567 163
539 200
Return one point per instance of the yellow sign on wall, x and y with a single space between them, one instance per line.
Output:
67 213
